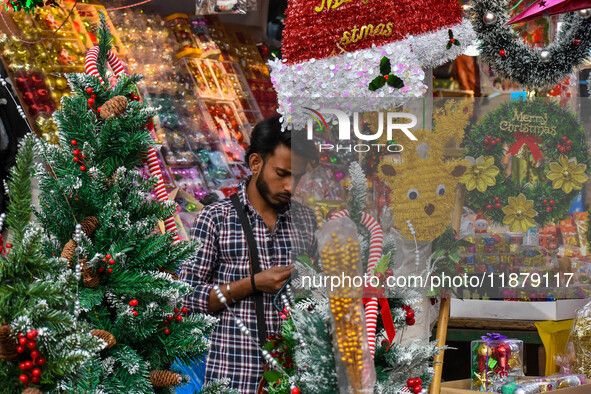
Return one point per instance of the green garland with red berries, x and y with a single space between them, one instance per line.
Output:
528 161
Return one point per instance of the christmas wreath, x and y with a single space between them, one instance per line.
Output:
534 68
528 160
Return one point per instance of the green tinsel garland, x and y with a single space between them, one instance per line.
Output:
508 55
566 126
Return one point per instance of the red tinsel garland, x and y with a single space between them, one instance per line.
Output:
310 34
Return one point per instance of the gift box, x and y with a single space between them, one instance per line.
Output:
495 358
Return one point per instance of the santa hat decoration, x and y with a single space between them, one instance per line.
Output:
334 49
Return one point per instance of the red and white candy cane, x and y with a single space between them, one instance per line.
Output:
375 253
151 159
90 65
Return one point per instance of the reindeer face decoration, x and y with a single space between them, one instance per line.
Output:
423 183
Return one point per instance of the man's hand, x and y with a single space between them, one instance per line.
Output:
271 280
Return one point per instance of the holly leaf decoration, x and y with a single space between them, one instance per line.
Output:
450 33
457 42
395 81
377 83
385 66
449 44
272 376
382 265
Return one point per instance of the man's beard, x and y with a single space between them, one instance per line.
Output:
263 189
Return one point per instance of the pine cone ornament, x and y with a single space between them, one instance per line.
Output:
7 345
89 276
105 336
89 225
174 274
115 106
165 378
32 390
68 251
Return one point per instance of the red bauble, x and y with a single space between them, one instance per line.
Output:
108 257
410 314
22 341
295 390
134 313
410 322
419 381
176 310
385 342
36 372
166 331
133 302
41 361
82 168
502 53
184 310
179 318
24 379
109 270
89 90
31 344
74 142
411 382
417 389
32 334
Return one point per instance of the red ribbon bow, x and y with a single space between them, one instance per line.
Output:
531 141
373 292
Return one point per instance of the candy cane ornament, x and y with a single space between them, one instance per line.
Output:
151 159
375 253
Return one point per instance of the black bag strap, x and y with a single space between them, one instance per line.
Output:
255 268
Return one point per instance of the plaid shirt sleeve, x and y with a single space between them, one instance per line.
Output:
198 271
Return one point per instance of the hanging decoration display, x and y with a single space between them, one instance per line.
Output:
333 49
528 160
423 183
541 8
27 5
533 68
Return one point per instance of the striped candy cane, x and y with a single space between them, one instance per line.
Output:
375 253
151 159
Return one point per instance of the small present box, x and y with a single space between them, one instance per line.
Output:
495 358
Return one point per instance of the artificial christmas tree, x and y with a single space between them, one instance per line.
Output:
127 291
41 340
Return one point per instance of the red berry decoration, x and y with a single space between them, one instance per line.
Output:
76 159
35 354
417 389
564 138
22 366
134 313
545 201
108 257
549 208
90 101
552 202
82 168
497 199
74 142
28 364
101 270
76 152
89 90
184 310
384 342
111 262
169 318
36 379
109 270
179 318
502 53
410 322
489 206
498 205
41 361
24 379
568 148
498 140
133 302
166 331
176 310
32 334
31 344
93 96
22 341
295 390
419 381
577 41
410 314
36 372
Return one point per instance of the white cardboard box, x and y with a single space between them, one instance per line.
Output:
516 310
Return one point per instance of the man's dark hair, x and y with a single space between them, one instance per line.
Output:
267 136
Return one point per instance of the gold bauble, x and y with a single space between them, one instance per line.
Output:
484 350
56 96
61 82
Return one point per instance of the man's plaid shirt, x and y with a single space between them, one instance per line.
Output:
223 258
